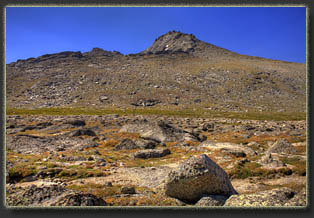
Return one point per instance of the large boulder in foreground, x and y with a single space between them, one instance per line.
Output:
273 198
196 177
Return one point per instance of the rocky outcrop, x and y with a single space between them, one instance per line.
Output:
37 126
173 42
28 144
100 52
274 198
52 195
126 144
231 148
146 144
197 176
282 146
160 132
298 199
268 161
140 143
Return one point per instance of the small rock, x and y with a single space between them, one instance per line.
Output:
127 190
126 144
109 184
152 153
81 132
76 122
212 200
103 98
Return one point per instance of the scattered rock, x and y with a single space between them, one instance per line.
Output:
81 132
146 103
197 100
232 148
208 127
235 153
109 184
212 200
159 132
37 126
282 146
127 190
275 197
268 161
146 144
52 195
126 144
103 98
51 172
152 153
298 199
76 122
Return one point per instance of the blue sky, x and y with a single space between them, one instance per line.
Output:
277 32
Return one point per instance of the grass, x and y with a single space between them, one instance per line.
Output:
253 169
110 195
300 165
184 112
80 173
97 189
17 174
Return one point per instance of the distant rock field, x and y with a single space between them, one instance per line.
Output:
173 161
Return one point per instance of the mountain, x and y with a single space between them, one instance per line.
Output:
177 71
174 42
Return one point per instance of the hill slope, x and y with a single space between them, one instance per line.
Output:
177 71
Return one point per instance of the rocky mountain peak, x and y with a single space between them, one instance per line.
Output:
172 42
100 52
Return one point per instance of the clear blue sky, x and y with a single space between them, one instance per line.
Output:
277 33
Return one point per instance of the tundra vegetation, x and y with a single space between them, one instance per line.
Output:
183 123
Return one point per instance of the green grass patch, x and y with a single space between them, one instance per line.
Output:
18 173
185 112
98 190
300 165
80 173
253 169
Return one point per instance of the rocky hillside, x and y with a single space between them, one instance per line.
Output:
177 71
